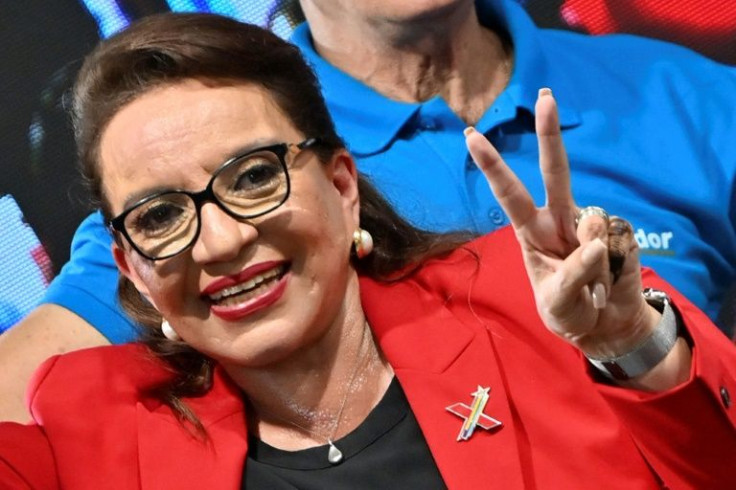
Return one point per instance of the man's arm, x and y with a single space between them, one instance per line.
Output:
48 330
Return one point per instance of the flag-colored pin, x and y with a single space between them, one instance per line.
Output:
473 414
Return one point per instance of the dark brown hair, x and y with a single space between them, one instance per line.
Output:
169 48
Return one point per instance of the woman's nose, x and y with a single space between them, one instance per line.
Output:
221 237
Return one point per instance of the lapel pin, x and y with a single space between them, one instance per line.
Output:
473 414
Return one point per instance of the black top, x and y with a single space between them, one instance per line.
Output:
386 451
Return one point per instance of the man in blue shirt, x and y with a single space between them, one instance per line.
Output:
648 128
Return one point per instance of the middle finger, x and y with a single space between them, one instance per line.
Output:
552 156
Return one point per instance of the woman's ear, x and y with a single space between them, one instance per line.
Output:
345 179
122 260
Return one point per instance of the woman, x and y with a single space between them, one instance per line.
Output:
285 360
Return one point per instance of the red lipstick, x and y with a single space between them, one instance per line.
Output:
265 298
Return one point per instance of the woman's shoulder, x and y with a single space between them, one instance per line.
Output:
100 375
494 257
132 360
495 253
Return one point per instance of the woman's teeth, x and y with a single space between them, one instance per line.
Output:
246 290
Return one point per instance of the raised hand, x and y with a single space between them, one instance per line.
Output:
568 263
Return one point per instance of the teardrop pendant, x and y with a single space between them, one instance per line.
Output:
334 455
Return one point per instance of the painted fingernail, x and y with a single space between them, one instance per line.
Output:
545 91
599 296
469 130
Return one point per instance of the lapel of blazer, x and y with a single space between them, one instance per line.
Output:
171 456
440 361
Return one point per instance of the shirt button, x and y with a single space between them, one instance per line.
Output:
725 397
497 216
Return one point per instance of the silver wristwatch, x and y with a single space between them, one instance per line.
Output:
650 352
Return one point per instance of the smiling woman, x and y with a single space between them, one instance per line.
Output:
302 241
196 116
305 336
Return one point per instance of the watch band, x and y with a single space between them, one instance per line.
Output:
650 352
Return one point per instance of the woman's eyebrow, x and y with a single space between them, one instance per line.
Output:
249 147
135 197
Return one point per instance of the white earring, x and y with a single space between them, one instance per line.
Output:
363 242
169 331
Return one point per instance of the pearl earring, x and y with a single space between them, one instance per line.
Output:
169 331
363 242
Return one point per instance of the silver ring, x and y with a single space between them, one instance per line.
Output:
590 211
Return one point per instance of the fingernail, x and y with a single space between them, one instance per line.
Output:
599 296
545 91
469 130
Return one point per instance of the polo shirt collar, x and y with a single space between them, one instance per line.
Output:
534 68
386 117
353 105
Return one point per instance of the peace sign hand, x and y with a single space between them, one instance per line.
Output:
568 264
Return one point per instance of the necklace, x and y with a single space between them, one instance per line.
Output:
334 455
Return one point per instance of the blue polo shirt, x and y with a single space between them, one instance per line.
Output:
649 129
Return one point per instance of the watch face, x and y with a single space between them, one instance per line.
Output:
656 298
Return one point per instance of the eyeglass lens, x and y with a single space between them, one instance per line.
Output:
248 186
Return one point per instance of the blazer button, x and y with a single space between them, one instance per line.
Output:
725 397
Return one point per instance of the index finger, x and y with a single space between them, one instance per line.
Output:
505 185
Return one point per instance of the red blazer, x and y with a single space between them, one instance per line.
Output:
464 321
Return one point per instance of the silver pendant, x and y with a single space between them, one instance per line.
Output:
334 455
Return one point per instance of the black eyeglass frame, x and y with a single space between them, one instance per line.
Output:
117 224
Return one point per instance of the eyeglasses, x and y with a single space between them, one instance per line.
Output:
165 224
